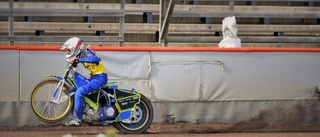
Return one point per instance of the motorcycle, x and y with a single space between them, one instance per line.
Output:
129 111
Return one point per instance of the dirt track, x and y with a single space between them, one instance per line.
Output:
169 130
301 120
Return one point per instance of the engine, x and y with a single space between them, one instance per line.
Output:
107 112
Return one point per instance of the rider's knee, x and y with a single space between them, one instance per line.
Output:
81 92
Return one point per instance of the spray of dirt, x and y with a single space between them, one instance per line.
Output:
300 116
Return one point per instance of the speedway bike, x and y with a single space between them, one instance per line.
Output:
127 110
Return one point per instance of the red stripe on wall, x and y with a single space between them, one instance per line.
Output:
169 49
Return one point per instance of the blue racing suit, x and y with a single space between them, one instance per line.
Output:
97 80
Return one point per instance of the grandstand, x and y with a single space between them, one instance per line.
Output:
261 23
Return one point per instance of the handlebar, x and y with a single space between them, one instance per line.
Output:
70 66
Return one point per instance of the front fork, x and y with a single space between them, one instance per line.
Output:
57 96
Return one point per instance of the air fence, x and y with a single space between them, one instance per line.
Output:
184 84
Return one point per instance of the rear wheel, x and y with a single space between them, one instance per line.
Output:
141 119
45 109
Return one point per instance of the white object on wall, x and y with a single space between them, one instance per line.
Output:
229 32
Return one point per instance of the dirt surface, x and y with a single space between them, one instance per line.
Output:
300 120
168 130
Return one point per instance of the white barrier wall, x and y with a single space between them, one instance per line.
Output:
192 86
9 78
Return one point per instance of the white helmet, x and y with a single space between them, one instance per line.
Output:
74 46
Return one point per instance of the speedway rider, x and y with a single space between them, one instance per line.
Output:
98 74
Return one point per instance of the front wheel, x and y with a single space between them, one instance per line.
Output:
42 105
141 118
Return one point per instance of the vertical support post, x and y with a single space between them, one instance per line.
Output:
11 19
163 8
231 5
164 22
121 23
